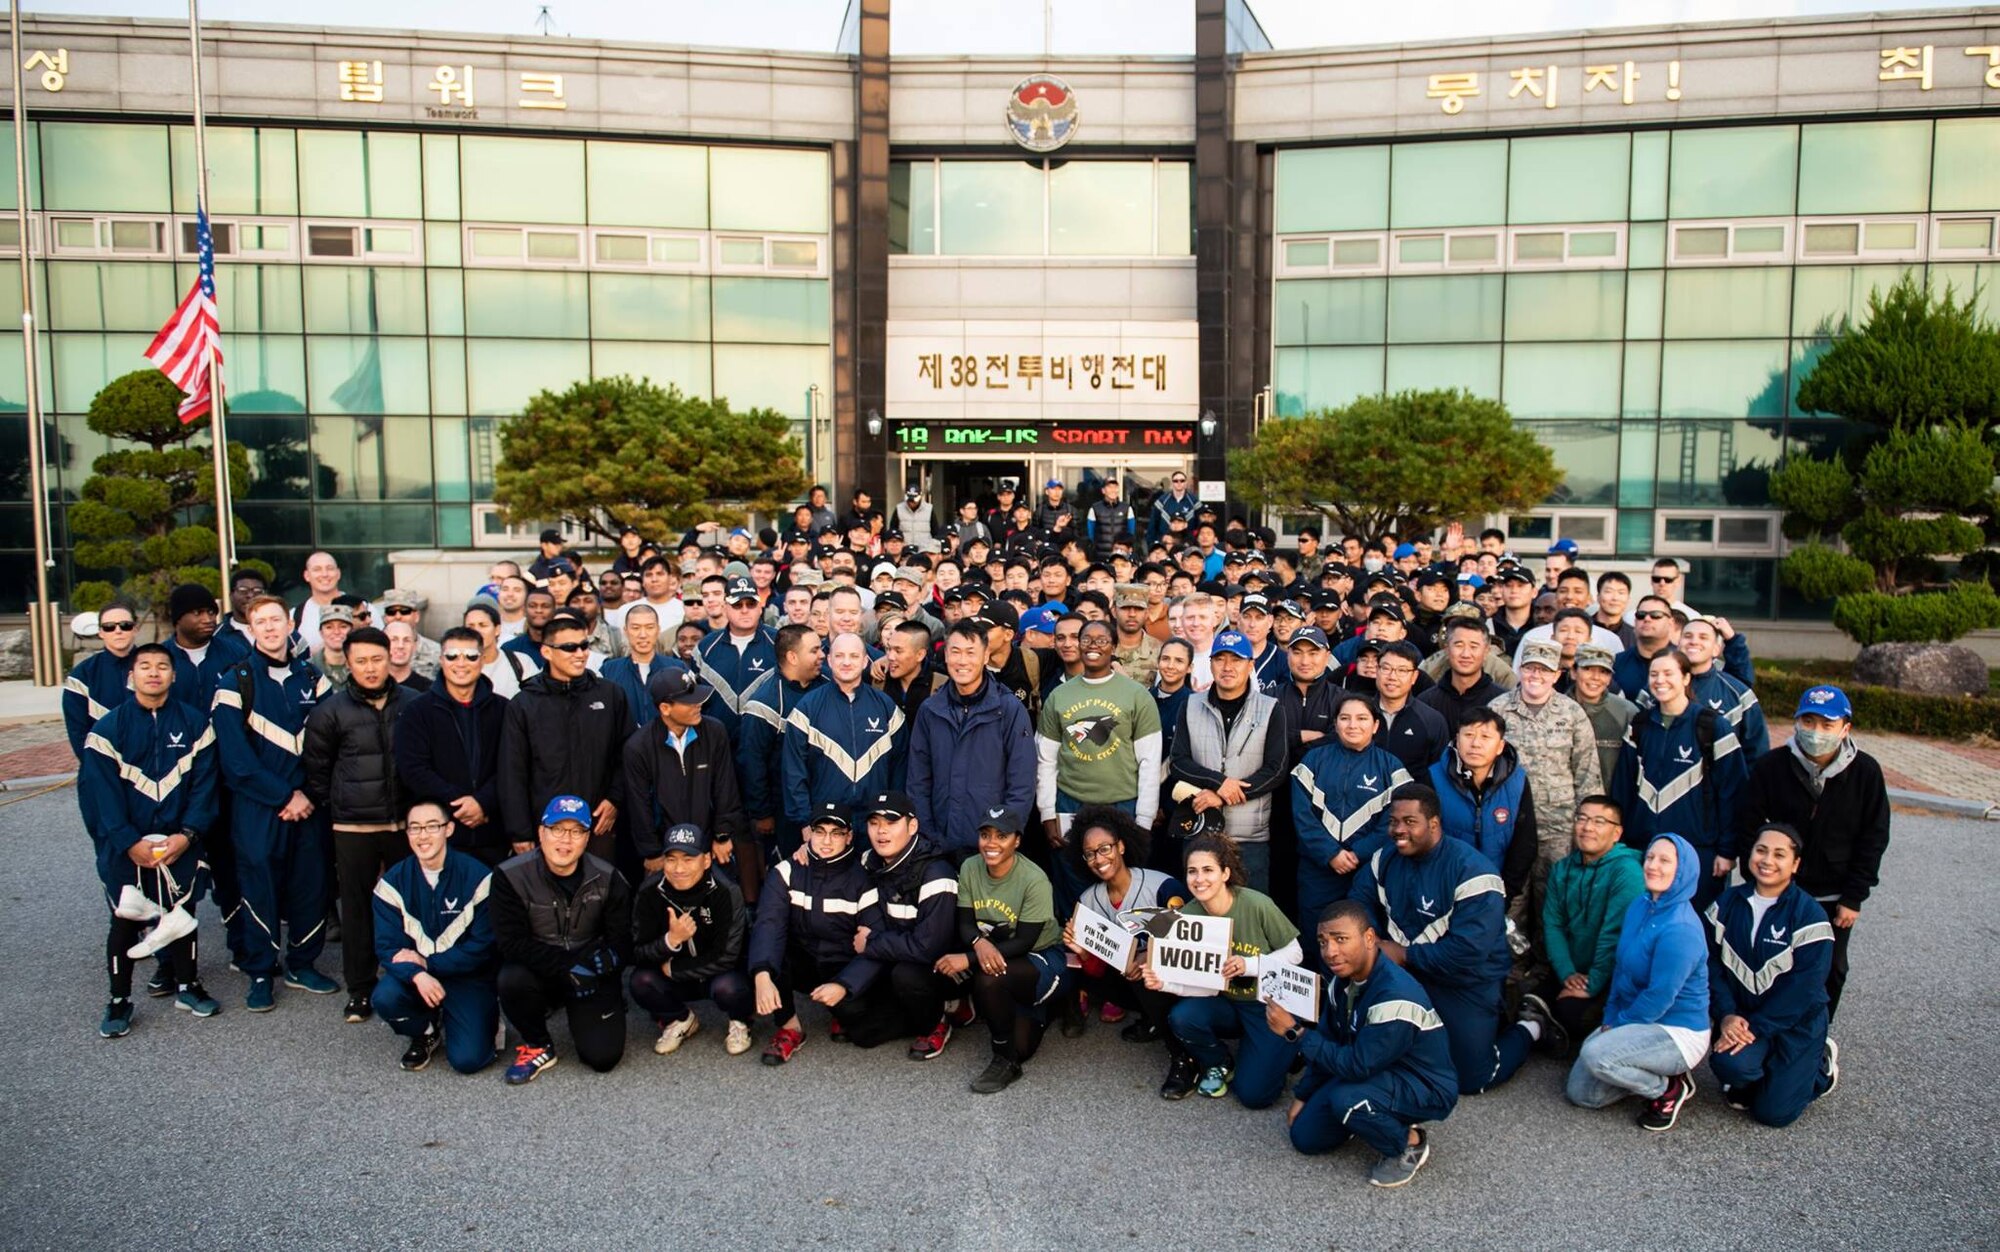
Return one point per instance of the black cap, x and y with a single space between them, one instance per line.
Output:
1430 578
1255 600
1382 608
885 804
676 684
552 535
1006 821
739 590
1515 574
889 600
830 812
1292 609
684 837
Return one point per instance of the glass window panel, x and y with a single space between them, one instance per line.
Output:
990 208
332 240
741 251
1890 236
1865 167
447 376
390 240
1649 176
351 173
265 298
1981 282
34 166
1357 252
507 179
769 189
1473 249
1333 189
454 528
1823 294
1326 310
250 170
441 243
490 244
1643 381
1444 308
1718 463
76 232
1540 246
265 374
683 365
1593 243
1307 380
1833 239
1449 184
1308 253
1965 168
1734 171
622 249
795 253
772 310
1475 368
550 245
368 375
532 305
648 306
1635 525
85 362
108 295
1176 209
1638 454
447 300
1561 379
1728 303
1759 240
1587 454
1644 292
752 377
441 177
647 184
392 526
503 373
280 463
358 300
1420 250
1101 208
912 208
677 250
138 237
1582 305
1571 178
1701 241
1688 529
104 166
1742 379
372 458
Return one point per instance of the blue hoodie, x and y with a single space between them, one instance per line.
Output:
1662 973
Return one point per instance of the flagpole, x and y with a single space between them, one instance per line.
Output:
42 620
225 516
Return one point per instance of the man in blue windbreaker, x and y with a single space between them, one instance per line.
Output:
735 657
760 740
972 749
101 681
841 742
434 938
147 787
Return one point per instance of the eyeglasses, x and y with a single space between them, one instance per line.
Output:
579 645
460 654
1597 823
118 626
1100 853
1394 671
1178 481
568 830
429 828
1647 615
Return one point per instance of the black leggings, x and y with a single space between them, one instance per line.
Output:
596 1022
178 957
1001 998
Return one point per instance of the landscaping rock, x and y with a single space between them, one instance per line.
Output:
17 657
1932 668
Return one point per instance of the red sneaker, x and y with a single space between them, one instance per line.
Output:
782 1045
834 1032
1110 1014
962 1013
931 1046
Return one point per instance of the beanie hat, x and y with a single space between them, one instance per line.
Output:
190 598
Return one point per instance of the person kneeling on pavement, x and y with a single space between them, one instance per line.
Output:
1583 913
434 937
807 916
1379 1063
688 929
1010 944
563 919
916 886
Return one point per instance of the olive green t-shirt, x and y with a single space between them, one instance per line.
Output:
1257 927
1021 900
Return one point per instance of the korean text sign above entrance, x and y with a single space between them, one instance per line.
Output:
1030 370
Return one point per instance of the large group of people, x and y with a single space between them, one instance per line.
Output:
874 771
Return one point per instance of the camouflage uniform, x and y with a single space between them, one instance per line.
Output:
1140 661
1558 747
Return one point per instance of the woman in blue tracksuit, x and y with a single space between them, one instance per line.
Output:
1668 779
1340 803
1767 980
1656 1013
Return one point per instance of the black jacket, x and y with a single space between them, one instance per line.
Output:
350 757
664 787
1845 827
720 923
1417 738
445 750
1449 704
560 738
538 925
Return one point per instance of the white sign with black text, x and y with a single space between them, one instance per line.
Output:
1103 938
1192 952
1292 988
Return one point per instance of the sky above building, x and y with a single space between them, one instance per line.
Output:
1013 27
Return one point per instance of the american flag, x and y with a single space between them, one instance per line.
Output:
182 347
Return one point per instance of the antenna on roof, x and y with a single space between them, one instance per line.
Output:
545 21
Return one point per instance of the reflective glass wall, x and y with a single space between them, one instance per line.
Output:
1645 302
389 298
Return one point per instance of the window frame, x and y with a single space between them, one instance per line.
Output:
936 164
1731 256
1938 252
1863 254
362 254
1716 547
1607 545
237 253
103 249
698 266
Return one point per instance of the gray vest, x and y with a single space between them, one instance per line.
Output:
1240 757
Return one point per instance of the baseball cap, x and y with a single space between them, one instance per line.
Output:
1827 701
1430 578
1001 613
1292 609
883 569
742 532
1006 821
735 570
1405 549
830 811
676 684
912 492
686 838
1256 600
1563 547
807 577
1132 596
1380 608
886 600
1307 634
551 535
566 809
1473 581
336 613
402 598
561 566
1232 643
886 804
1515 574
1546 653
740 589
1593 656
1053 482
1042 619
909 574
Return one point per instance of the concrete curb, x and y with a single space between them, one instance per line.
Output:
36 783
1945 804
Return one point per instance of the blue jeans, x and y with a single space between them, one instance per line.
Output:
1622 1061
1256 865
1262 1058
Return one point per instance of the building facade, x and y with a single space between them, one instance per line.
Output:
957 270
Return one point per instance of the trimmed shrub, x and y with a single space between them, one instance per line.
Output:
1926 617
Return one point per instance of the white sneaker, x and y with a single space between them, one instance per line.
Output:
676 1034
175 924
737 1041
135 905
1829 1062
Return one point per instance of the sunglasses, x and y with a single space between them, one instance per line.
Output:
460 654
572 647
118 626
397 610
1648 615
1666 578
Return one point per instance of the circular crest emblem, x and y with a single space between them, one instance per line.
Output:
1041 113
1500 817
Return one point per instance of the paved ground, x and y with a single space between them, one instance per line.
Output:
293 1129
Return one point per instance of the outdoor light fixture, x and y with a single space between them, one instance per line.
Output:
874 422
1208 423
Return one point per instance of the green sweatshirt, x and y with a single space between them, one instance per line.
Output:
1585 912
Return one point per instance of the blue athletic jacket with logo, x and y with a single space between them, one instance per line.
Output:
1447 907
1774 978
146 772
262 744
841 749
449 925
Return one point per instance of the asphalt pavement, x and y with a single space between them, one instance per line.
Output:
292 1129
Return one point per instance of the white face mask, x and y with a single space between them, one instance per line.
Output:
1816 742
1372 564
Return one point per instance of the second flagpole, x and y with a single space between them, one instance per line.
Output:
225 513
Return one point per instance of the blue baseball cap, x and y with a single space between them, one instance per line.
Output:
1563 547
684 837
1826 702
1473 581
1405 549
1232 643
1042 620
566 809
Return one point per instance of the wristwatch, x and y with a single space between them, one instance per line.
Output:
1296 1032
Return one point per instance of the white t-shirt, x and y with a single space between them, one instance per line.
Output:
501 670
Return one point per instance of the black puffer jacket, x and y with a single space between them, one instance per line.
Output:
350 757
560 738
